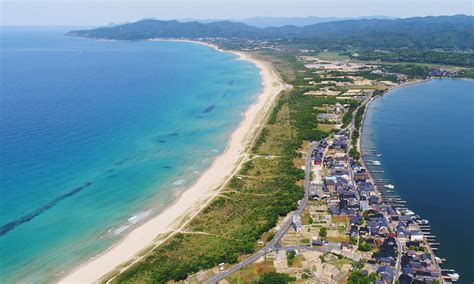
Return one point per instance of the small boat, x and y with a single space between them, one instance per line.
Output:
453 276
378 155
423 221
390 186
376 163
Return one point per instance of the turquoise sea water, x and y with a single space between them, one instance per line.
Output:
425 134
97 135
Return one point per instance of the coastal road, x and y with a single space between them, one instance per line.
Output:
399 260
280 233
397 269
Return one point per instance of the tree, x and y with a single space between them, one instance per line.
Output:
291 257
323 232
357 277
275 278
364 246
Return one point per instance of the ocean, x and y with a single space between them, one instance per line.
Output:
425 136
96 136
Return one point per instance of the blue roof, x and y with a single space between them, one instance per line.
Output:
385 270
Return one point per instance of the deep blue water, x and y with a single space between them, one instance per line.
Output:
425 134
93 133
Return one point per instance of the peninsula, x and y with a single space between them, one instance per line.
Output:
292 197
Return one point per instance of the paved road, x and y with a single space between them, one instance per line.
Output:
399 259
281 232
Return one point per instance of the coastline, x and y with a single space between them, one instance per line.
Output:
153 232
367 105
432 251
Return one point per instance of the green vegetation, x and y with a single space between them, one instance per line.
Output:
323 232
270 237
357 277
354 153
305 241
353 240
275 278
331 55
418 34
466 73
290 257
414 55
376 77
267 186
412 71
363 246
250 204
248 207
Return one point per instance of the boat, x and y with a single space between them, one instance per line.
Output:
423 221
453 276
390 186
404 211
376 163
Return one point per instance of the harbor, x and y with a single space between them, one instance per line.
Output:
385 185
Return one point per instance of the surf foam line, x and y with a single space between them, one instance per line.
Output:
30 216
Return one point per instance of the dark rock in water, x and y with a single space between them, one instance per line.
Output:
173 134
123 161
209 108
30 216
230 83
162 141
225 93
167 167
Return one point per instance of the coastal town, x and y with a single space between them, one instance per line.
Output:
351 225
300 196
259 142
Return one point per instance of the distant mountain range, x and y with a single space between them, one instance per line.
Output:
418 32
265 22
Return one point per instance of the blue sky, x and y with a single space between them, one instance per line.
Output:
102 12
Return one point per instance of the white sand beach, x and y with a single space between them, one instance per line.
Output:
153 232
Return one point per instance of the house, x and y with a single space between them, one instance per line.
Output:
330 183
346 246
334 210
363 231
377 226
338 108
331 117
341 183
405 279
356 220
297 222
373 200
365 186
416 235
315 192
339 171
386 273
361 176
364 205
354 232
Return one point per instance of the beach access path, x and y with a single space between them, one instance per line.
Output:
280 233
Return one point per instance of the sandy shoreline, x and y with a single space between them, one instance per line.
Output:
156 230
